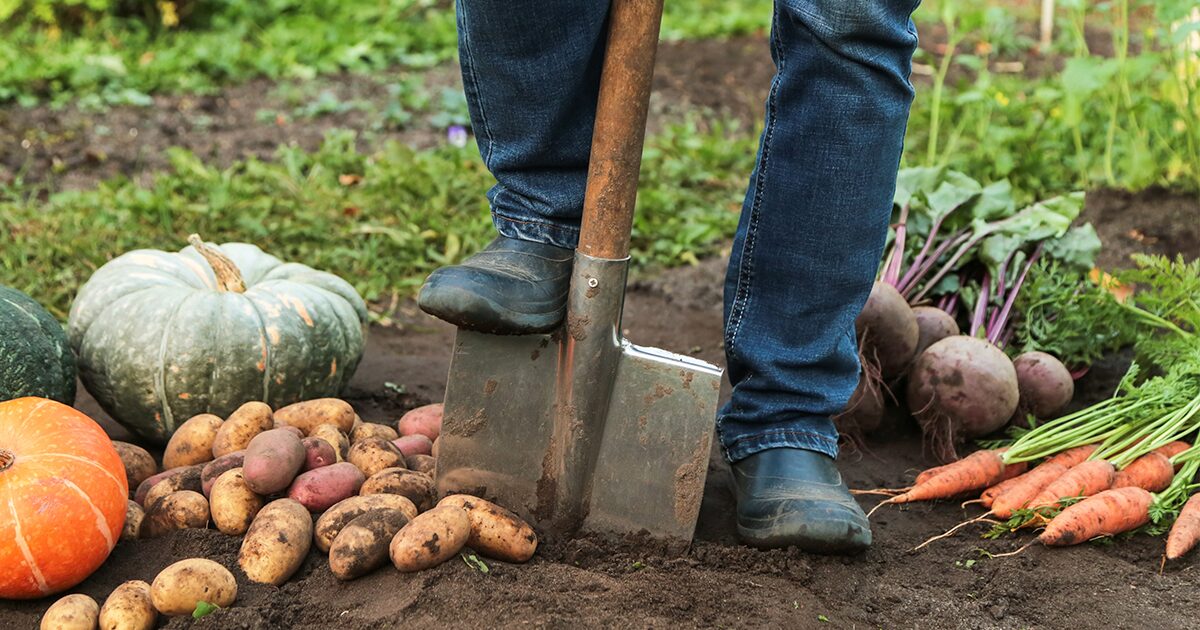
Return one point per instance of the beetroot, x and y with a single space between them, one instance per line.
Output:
887 331
864 412
1045 385
961 387
933 325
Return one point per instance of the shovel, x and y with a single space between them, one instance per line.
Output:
579 429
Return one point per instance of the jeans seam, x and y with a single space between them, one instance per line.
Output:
547 224
470 64
746 263
777 433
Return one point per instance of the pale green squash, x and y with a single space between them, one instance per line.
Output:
161 337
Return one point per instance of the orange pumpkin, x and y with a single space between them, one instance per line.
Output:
63 496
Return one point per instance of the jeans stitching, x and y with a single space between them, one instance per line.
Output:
470 66
547 224
746 264
778 433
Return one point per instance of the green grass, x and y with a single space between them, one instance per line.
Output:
411 212
122 60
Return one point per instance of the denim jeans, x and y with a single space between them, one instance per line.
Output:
815 217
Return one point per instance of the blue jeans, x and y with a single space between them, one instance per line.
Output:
815 217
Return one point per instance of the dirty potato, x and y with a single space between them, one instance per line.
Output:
362 545
185 509
241 426
414 445
272 461
434 451
430 539
134 515
233 504
129 607
426 464
276 543
374 454
418 487
318 452
192 442
495 532
178 588
164 483
331 434
73 612
139 464
310 414
335 518
372 430
217 467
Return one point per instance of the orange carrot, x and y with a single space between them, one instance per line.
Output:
1085 480
1029 486
1172 449
1104 514
1185 533
929 473
1013 473
1152 472
1074 456
977 470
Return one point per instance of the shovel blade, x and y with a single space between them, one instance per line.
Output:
504 424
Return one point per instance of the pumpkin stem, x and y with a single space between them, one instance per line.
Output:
7 458
229 277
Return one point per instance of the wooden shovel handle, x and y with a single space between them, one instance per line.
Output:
620 128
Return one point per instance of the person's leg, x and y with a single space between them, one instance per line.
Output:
810 238
531 73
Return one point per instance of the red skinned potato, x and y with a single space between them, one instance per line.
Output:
293 430
339 441
425 421
318 453
415 444
320 489
272 461
214 469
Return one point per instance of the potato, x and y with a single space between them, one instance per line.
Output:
434 451
414 445
241 426
362 545
178 588
495 532
422 463
272 461
425 421
278 540
330 433
73 612
320 489
217 467
134 515
374 454
293 430
335 518
139 464
310 414
233 504
430 539
318 452
173 480
372 430
418 487
185 509
129 607
192 442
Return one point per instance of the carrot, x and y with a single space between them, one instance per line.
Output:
977 470
1172 449
1104 514
1085 480
1074 456
1028 486
1185 533
1013 473
929 473
1152 472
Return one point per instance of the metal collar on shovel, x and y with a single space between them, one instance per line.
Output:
580 428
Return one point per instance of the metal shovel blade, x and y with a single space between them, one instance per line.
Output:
580 428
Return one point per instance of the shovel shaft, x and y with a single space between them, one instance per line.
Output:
620 128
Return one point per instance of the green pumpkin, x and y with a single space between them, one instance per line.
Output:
35 358
164 336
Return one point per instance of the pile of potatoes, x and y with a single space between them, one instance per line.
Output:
136 605
313 473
